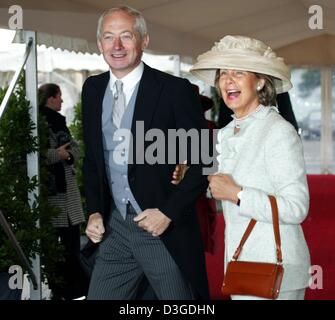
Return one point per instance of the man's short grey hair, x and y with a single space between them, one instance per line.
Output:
140 24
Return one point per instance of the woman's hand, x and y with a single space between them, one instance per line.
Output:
179 173
62 151
223 187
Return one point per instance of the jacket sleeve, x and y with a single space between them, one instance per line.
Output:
90 170
74 150
52 156
188 115
285 167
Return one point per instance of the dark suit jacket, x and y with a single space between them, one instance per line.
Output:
163 102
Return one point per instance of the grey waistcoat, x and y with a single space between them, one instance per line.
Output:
116 152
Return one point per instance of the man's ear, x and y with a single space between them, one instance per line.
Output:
145 42
99 46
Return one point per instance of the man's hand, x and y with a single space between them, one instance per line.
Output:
153 221
95 227
179 173
223 187
62 151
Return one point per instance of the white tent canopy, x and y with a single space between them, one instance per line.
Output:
189 27
50 59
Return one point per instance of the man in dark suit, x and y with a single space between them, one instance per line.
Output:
146 225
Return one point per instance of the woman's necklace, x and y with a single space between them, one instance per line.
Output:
238 121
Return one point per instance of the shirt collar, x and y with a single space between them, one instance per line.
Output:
261 114
130 80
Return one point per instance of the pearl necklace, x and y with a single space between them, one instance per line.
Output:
239 120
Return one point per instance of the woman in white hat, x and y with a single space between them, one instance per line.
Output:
260 154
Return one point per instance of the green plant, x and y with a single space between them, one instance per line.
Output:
16 141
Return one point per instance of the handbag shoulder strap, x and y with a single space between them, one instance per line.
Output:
275 220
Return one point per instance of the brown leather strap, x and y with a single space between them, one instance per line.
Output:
244 238
275 220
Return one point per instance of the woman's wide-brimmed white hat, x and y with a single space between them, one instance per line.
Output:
242 53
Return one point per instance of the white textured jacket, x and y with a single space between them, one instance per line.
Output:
266 157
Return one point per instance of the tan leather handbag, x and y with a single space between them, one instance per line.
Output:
259 279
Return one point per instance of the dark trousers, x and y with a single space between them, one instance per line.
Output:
68 281
6 293
126 255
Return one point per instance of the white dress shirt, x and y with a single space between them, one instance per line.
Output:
129 81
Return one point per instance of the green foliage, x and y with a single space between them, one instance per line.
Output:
16 141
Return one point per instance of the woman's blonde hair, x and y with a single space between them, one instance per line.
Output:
267 95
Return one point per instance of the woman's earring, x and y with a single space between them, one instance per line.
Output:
259 88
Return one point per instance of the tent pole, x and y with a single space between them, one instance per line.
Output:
32 159
177 65
326 121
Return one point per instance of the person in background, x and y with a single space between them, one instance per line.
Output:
63 193
259 154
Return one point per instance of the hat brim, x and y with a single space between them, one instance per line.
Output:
206 68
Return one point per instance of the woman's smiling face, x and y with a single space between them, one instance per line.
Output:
239 90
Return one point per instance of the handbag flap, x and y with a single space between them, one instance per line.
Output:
252 267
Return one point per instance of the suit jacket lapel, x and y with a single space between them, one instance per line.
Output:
96 113
146 103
